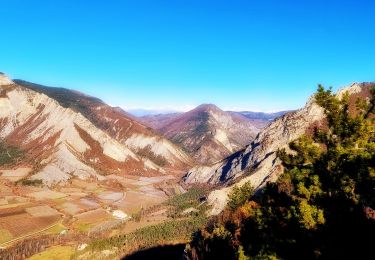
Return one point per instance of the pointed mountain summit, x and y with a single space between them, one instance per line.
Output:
207 133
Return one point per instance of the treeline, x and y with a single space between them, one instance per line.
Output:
322 207
193 198
146 152
165 233
175 230
34 245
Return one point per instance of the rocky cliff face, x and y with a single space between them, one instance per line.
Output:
93 140
206 132
258 163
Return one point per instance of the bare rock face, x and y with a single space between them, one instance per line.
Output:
206 132
258 162
62 142
276 135
4 80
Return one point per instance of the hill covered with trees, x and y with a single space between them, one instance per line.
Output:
322 207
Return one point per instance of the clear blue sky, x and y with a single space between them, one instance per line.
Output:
256 55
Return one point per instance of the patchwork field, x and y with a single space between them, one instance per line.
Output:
46 194
16 222
77 207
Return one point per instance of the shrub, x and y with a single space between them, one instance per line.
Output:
29 182
146 152
9 154
180 202
239 195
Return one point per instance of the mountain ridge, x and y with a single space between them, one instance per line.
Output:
70 143
258 163
206 132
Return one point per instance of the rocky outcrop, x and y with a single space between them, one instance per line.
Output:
4 80
258 163
60 142
119 125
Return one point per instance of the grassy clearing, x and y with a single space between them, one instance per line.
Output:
83 227
55 253
55 229
190 199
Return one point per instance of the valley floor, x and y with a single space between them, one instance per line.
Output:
37 220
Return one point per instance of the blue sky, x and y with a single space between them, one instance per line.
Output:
176 54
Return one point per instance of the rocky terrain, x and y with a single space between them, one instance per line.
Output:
66 133
258 163
74 169
70 162
206 132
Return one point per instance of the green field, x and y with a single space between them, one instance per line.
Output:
55 253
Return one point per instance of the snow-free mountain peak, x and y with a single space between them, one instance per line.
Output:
258 163
206 132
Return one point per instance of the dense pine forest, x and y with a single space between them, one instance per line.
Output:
322 207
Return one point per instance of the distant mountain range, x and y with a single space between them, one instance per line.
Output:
139 112
261 115
160 114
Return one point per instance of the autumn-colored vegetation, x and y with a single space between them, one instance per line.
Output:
319 208
177 229
147 153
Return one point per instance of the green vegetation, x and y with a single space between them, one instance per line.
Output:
190 199
56 229
239 195
36 182
9 154
164 233
172 231
84 227
55 253
321 207
146 152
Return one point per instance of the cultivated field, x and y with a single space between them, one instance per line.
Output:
78 206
